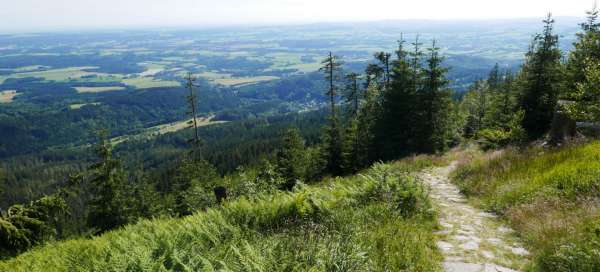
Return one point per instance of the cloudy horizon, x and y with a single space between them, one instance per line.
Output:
38 15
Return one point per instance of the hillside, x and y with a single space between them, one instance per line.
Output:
549 196
380 220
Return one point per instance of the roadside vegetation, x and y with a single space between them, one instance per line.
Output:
550 197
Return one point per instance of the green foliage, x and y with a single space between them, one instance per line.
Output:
343 225
193 184
538 186
510 133
291 159
540 80
586 97
24 226
351 147
490 112
108 208
586 51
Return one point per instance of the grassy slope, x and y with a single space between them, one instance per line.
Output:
551 197
349 224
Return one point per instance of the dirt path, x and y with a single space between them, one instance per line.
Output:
470 239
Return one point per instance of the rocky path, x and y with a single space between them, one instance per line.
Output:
471 240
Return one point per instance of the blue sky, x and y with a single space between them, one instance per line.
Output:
81 14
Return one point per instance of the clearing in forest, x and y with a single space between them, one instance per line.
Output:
7 96
99 89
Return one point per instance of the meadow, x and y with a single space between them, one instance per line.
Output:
551 197
98 89
157 130
8 96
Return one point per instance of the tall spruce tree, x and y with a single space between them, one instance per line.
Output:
540 81
332 138
352 94
435 104
395 127
291 163
192 101
107 207
586 50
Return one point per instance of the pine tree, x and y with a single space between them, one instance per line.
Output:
435 104
192 101
395 128
586 98
291 163
193 182
332 137
494 79
353 97
107 208
384 60
352 94
586 50
540 81
368 116
475 104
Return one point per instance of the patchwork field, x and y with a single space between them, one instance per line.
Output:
79 106
166 128
149 82
229 80
8 96
99 89
64 74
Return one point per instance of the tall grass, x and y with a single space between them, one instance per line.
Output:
551 197
378 221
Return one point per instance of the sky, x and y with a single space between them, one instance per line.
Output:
83 14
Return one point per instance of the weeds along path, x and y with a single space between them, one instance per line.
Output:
471 240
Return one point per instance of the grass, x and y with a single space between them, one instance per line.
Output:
99 89
229 80
64 74
550 197
149 82
79 106
358 223
8 96
166 128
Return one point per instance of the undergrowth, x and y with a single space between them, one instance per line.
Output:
380 220
551 197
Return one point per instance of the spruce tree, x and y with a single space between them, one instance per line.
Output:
352 94
540 81
107 207
192 102
332 137
394 129
435 104
586 50
291 163
586 97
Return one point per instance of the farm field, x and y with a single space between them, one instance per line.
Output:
79 106
98 89
166 128
7 96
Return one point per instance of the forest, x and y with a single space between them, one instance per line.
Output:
324 164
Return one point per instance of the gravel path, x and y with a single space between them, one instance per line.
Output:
471 240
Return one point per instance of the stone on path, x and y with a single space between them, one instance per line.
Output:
471 239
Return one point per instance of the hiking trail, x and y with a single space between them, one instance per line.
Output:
471 240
